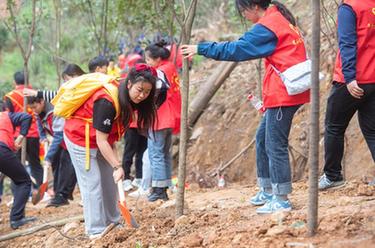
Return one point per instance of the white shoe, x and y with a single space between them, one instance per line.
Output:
140 193
46 197
127 184
137 182
10 203
102 234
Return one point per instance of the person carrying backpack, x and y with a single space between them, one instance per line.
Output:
11 166
275 37
90 134
168 122
57 155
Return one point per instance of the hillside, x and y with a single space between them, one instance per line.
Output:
222 217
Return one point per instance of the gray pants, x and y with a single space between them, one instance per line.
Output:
98 189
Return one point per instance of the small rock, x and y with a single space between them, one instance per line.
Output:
279 217
192 240
237 239
261 231
215 205
276 230
172 232
196 133
70 226
162 241
210 238
365 190
181 221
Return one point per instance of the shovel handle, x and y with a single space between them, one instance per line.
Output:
45 167
45 145
45 173
121 193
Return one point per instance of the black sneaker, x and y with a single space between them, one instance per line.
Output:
14 224
158 194
57 201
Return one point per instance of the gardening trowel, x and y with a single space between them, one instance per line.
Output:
123 209
38 195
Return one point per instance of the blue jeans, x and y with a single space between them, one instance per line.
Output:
159 145
272 158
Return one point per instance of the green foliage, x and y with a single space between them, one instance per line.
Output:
81 40
4 36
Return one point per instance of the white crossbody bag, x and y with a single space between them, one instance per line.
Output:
297 79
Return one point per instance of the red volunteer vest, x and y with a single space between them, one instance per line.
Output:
16 97
290 50
365 13
169 113
74 128
6 130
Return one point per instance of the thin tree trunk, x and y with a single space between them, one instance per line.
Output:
314 125
208 90
186 30
105 28
57 5
26 53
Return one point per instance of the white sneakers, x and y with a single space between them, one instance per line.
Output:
137 182
129 185
140 192
102 234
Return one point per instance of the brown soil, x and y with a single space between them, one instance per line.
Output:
222 217
219 218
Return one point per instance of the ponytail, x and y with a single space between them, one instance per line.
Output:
285 12
264 4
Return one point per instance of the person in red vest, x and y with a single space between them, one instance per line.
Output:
168 122
353 87
57 155
13 102
97 183
275 37
130 61
11 166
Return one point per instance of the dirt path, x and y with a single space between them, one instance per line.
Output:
220 218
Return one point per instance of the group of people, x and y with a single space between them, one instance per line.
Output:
148 109
146 104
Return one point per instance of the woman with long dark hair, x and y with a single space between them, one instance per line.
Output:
276 38
168 122
106 125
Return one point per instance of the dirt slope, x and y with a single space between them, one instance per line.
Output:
220 218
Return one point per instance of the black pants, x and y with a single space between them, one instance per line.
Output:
56 168
134 144
11 166
66 180
32 149
341 107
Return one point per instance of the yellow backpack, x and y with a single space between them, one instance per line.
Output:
74 93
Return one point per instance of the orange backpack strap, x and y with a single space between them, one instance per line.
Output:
11 96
